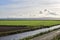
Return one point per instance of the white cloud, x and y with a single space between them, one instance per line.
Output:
29 8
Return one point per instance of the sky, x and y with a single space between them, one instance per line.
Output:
29 8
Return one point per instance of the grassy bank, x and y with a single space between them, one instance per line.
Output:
57 37
40 34
30 37
7 30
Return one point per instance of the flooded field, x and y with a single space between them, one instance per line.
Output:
26 34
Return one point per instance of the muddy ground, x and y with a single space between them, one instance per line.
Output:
4 28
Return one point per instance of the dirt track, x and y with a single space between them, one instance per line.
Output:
48 36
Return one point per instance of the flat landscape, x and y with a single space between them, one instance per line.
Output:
49 36
17 26
30 22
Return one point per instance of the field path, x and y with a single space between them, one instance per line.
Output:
47 36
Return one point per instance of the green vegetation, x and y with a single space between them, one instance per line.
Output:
29 22
57 37
31 37
27 25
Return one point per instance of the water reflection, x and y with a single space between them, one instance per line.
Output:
26 34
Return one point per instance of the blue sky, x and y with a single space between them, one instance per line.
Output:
29 8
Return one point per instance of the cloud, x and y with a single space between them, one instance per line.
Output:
28 8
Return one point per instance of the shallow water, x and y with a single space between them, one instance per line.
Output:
26 34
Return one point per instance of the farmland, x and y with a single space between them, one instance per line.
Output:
17 26
30 22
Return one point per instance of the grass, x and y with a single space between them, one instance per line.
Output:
30 24
57 37
31 37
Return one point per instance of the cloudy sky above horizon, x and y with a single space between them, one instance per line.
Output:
29 8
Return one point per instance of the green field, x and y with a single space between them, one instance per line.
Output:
30 22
